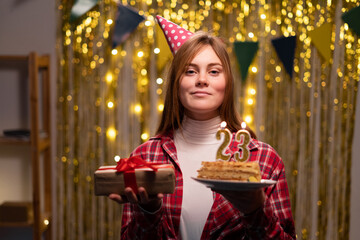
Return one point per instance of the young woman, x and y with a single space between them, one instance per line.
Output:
199 96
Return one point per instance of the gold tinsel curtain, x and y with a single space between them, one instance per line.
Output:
109 101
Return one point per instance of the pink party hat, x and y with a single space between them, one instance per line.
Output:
174 34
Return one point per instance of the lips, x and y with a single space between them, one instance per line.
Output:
200 93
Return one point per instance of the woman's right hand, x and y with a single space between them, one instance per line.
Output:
148 203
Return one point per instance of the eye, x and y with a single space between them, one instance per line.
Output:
190 72
215 72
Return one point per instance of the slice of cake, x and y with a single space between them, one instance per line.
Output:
224 170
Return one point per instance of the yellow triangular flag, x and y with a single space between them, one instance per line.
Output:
321 38
165 55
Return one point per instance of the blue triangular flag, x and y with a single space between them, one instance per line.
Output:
285 49
126 22
81 7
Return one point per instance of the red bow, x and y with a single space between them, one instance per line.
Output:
128 166
132 163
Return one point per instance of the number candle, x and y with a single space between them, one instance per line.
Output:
220 154
243 137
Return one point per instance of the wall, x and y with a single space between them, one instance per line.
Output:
30 25
25 25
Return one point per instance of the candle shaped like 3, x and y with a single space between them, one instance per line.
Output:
220 154
243 137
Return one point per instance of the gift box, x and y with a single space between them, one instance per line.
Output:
134 172
18 212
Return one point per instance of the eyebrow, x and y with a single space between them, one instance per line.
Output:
209 65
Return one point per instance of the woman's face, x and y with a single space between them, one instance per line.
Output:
202 85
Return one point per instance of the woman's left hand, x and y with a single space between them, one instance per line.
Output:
245 201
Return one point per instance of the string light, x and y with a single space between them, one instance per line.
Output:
140 54
145 136
248 119
138 108
110 104
111 133
109 77
159 81
250 101
117 158
161 107
157 50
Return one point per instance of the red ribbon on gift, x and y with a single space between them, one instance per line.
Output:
128 165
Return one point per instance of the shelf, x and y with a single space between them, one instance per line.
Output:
44 143
44 226
39 142
13 58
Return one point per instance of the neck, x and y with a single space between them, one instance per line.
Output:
199 131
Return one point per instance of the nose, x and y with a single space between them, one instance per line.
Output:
202 81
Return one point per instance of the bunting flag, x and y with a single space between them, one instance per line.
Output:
321 38
285 49
126 22
245 53
81 7
165 54
352 18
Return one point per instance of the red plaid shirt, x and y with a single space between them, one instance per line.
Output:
273 221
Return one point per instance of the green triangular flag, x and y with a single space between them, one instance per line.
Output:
245 53
352 18
81 7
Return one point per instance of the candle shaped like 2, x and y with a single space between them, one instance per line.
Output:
243 137
220 154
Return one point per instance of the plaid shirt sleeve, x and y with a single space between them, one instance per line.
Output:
137 224
273 221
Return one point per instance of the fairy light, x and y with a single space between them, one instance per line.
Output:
111 133
117 158
109 77
250 101
248 119
157 50
138 108
144 136
161 107
114 52
159 81
140 54
252 91
110 104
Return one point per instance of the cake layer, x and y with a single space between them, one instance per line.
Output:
224 170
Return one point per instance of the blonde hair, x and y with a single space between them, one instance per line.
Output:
173 113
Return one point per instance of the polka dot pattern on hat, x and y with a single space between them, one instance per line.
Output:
174 34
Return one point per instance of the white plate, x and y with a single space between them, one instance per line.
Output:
234 185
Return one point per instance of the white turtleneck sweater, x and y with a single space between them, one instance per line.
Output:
194 144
